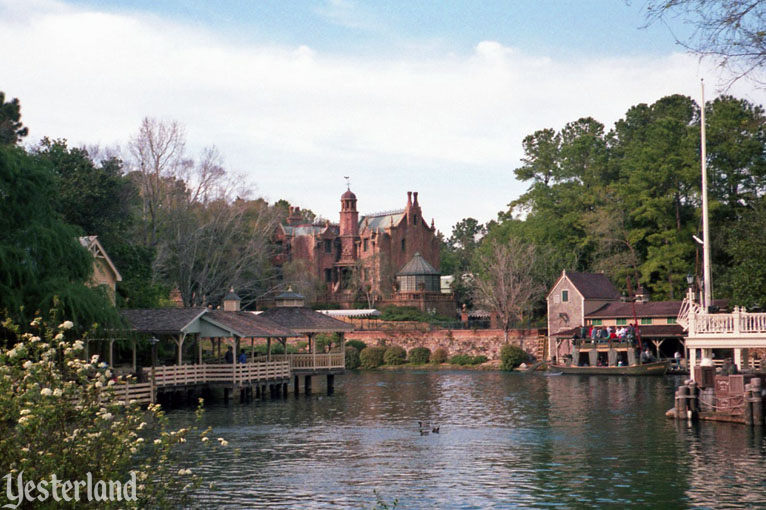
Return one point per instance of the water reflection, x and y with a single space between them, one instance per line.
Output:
506 441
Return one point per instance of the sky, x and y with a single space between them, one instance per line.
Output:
430 96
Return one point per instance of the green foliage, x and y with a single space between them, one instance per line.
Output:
439 355
276 348
42 264
61 416
352 358
511 356
325 340
419 355
467 359
395 355
372 357
11 129
357 344
408 313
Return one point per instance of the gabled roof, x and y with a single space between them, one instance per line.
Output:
378 222
163 321
591 285
92 244
304 320
248 325
308 230
625 310
417 266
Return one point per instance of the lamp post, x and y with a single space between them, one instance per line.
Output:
154 341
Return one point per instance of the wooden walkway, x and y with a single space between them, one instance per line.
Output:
279 370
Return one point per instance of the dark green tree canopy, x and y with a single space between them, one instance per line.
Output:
11 129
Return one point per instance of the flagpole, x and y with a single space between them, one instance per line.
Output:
708 284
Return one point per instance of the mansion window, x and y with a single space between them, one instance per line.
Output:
327 246
671 320
645 320
596 322
622 322
564 296
364 245
328 275
404 244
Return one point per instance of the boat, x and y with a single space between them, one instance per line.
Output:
653 368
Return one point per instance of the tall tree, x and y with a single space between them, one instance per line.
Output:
731 32
11 129
42 265
506 282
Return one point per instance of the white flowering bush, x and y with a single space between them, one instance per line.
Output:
60 416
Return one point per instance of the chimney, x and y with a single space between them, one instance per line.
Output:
415 196
409 199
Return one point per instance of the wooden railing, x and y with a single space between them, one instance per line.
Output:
313 361
129 392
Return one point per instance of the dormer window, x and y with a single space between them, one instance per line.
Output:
564 296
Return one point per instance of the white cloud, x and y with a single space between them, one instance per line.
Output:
296 120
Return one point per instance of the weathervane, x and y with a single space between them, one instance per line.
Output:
348 182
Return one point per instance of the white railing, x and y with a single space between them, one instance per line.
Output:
738 322
128 392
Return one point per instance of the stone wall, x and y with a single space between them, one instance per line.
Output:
487 342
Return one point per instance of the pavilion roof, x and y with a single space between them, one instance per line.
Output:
304 320
249 325
162 321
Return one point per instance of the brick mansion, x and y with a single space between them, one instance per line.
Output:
384 258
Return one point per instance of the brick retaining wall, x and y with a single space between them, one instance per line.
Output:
487 342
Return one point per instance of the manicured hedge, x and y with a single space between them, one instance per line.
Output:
357 344
395 355
372 357
512 356
419 355
439 355
352 358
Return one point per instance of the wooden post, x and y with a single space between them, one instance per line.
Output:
268 349
757 396
199 349
111 353
681 402
135 366
748 402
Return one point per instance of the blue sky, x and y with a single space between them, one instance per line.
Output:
428 96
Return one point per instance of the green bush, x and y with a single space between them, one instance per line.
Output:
439 355
512 356
324 340
478 360
395 355
371 357
357 344
419 355
352 357
276 348
467 359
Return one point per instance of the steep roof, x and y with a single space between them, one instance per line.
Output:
417 266
304 320
593 285
249 325
378 222
308 230
92 244
162 321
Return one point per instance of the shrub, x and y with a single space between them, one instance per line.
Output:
371 357
439 355
356 344
325 340
395 355
68 409
512 356
420 355
461 359
352 357
478 360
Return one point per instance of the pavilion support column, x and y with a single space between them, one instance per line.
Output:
692 362
135 365
739 359
268 349
657 345
312 350
199 349
111 353
180 348
235 349
707 353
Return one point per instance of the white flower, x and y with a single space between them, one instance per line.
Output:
94 359
57 392
66 325
157 441
59 337
34 339
12 353
78 344
25 412
98 384
107 416
205 439
27 364
108 373
46 392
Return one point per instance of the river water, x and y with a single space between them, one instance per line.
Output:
506 441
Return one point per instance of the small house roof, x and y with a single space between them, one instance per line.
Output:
232 296
417 266
647 309
591 285
304 320
92 244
